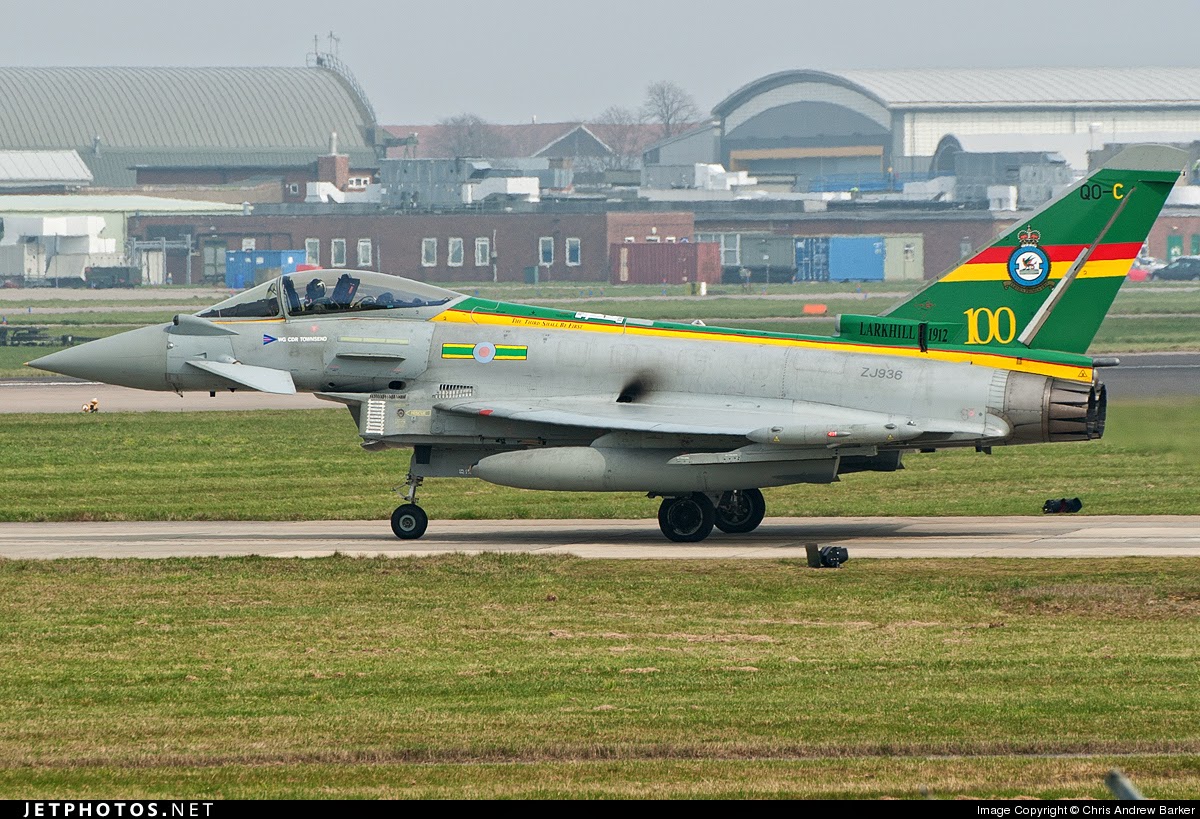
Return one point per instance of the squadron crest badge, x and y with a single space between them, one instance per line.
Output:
1028 266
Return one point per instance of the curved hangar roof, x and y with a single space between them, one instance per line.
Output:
137 112
855 121
1007 88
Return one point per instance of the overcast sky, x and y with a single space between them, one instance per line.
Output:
512 60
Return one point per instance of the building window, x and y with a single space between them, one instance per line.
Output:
364 252
428 252
483 251
293 189
248 244
454 252
337 252
312 251
546 251
573 252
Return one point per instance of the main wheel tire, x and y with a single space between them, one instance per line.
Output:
409 521
740 511
687 519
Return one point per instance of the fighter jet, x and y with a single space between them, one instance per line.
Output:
991 354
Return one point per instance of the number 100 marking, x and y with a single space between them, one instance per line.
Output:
993 328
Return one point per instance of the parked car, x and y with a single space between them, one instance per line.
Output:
1184 268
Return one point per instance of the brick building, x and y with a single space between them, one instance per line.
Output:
452 247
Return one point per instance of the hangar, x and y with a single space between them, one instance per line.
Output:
814 130
193 126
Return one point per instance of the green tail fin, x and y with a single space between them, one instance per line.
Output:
1047 283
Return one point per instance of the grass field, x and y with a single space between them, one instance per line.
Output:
527 676
297 465
521 676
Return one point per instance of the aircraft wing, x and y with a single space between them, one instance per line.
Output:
791 423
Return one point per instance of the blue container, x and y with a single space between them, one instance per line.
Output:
856 258
246 268
812 259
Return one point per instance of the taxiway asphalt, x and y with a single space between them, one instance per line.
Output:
1051 536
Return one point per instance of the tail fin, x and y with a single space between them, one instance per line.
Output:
1047 283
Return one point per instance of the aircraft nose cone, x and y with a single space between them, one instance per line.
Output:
134 359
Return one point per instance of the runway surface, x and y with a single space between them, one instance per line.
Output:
1047 536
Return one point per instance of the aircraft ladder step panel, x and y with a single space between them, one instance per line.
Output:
376 416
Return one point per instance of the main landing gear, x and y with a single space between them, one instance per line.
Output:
409 521
740 511
691 518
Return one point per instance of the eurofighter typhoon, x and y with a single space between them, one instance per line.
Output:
991 354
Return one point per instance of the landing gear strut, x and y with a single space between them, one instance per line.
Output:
688 518
409 521
740 511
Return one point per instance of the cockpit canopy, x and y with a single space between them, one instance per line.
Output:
327 292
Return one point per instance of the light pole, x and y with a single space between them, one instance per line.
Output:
766 257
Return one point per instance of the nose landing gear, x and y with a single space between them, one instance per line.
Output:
409 521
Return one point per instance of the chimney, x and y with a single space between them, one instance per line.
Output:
334 168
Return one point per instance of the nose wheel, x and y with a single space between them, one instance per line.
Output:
409 521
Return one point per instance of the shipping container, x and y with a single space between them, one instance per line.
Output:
904 258
246 268
756 257
856 258
812 258
117 276
681 263
768 257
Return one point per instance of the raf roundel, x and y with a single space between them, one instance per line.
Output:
483 353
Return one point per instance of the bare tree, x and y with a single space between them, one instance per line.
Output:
471 135
621 130
670 106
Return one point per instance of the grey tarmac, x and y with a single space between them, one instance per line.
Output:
1060 536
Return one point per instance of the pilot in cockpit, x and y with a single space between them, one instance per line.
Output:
315 290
